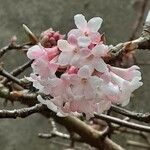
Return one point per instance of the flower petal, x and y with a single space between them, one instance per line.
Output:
94 24
49 103
72 39
76 32
85 52
95 37
80 21
100 65
128 73
100 50
35 52
103 106
84 41
64 46
64 58
75 61
84 72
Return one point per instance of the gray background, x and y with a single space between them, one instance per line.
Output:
119 17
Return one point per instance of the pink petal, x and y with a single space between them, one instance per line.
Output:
72 39
72 70
94 24
95 37
127 74
80 21
52 52
40 66
53 67
35 52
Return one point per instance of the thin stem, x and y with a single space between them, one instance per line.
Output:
133 115
123 123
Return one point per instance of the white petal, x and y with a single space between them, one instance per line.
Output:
84 41
80 21
64 58
103 106
75 60
95 82
89 92
51 105
135 83
94 24
100 50
84 72
100 65
63 45
41 100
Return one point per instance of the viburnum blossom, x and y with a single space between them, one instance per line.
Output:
87 32
73 75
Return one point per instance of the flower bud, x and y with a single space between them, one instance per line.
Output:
49 38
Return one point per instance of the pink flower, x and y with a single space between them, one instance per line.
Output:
70 54
43 67
94 59
126 87
127 74
83 82
87 32
75 75
37 51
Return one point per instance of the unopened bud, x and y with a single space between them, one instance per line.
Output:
49 38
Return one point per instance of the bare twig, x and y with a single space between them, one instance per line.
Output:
139 20
143 42
21 68
6 74
138 144
123 123
54 134
14 47
18 71
22 113
133 115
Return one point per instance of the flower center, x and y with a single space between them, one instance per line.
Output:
83 80
76 50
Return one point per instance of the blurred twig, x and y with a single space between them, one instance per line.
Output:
139 19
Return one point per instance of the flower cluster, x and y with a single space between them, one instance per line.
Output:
75 75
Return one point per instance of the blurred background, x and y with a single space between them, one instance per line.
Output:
119 18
